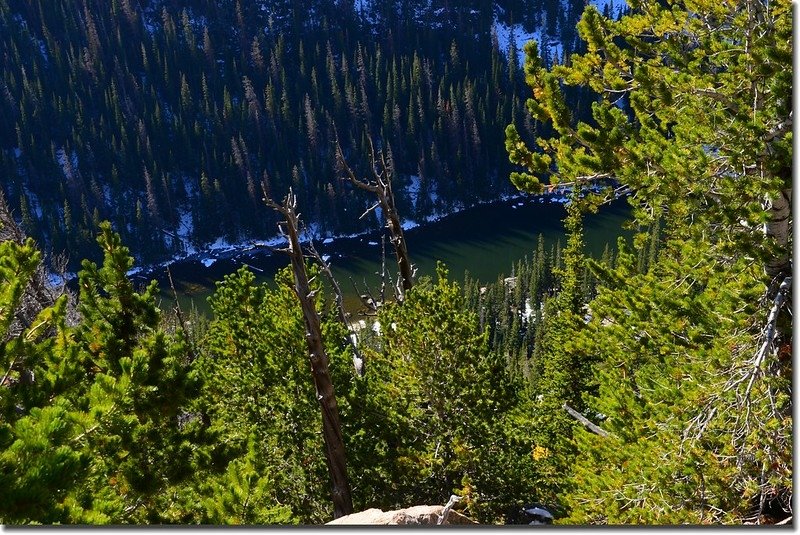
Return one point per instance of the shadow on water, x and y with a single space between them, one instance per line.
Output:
484 240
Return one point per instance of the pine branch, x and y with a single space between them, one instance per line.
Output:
8 373
342 161
370 209
381 187
366 299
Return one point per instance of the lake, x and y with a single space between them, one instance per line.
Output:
485 240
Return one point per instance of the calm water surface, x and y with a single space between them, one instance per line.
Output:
485 241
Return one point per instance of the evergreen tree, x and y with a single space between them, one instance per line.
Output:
261 399
441 414
97 91
691 118
92 430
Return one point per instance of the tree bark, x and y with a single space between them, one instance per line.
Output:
318 358
779 229
398 239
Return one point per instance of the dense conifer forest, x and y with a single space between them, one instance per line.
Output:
651 384
165 118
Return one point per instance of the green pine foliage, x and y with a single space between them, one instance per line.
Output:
691 118
260 395
561 373
39 464
436 412
667 351
90 425
443 414
139 381
677 345
116 423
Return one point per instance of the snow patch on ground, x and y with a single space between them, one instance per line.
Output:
221 244
312 231
43 50
222 248
33 203
527 314
149 26
63 162
413 189
185 231
504 34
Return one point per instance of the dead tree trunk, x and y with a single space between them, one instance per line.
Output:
331 427
779 228
381 187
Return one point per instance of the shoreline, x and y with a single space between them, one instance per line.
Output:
222 250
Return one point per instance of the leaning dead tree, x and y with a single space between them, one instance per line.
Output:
318 357
380 185
753 403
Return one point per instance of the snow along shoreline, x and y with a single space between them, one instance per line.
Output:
221 249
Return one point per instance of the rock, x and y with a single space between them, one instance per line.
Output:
416 515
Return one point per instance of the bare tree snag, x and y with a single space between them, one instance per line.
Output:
179 314
331 427
367 301
381 186
383 268
454 499
769 333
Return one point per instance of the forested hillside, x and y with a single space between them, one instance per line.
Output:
165 118
650 385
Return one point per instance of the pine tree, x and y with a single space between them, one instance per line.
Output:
91 430
438 412
690 118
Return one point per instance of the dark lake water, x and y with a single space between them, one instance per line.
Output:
485 240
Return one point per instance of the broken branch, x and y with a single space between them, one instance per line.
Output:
585 421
